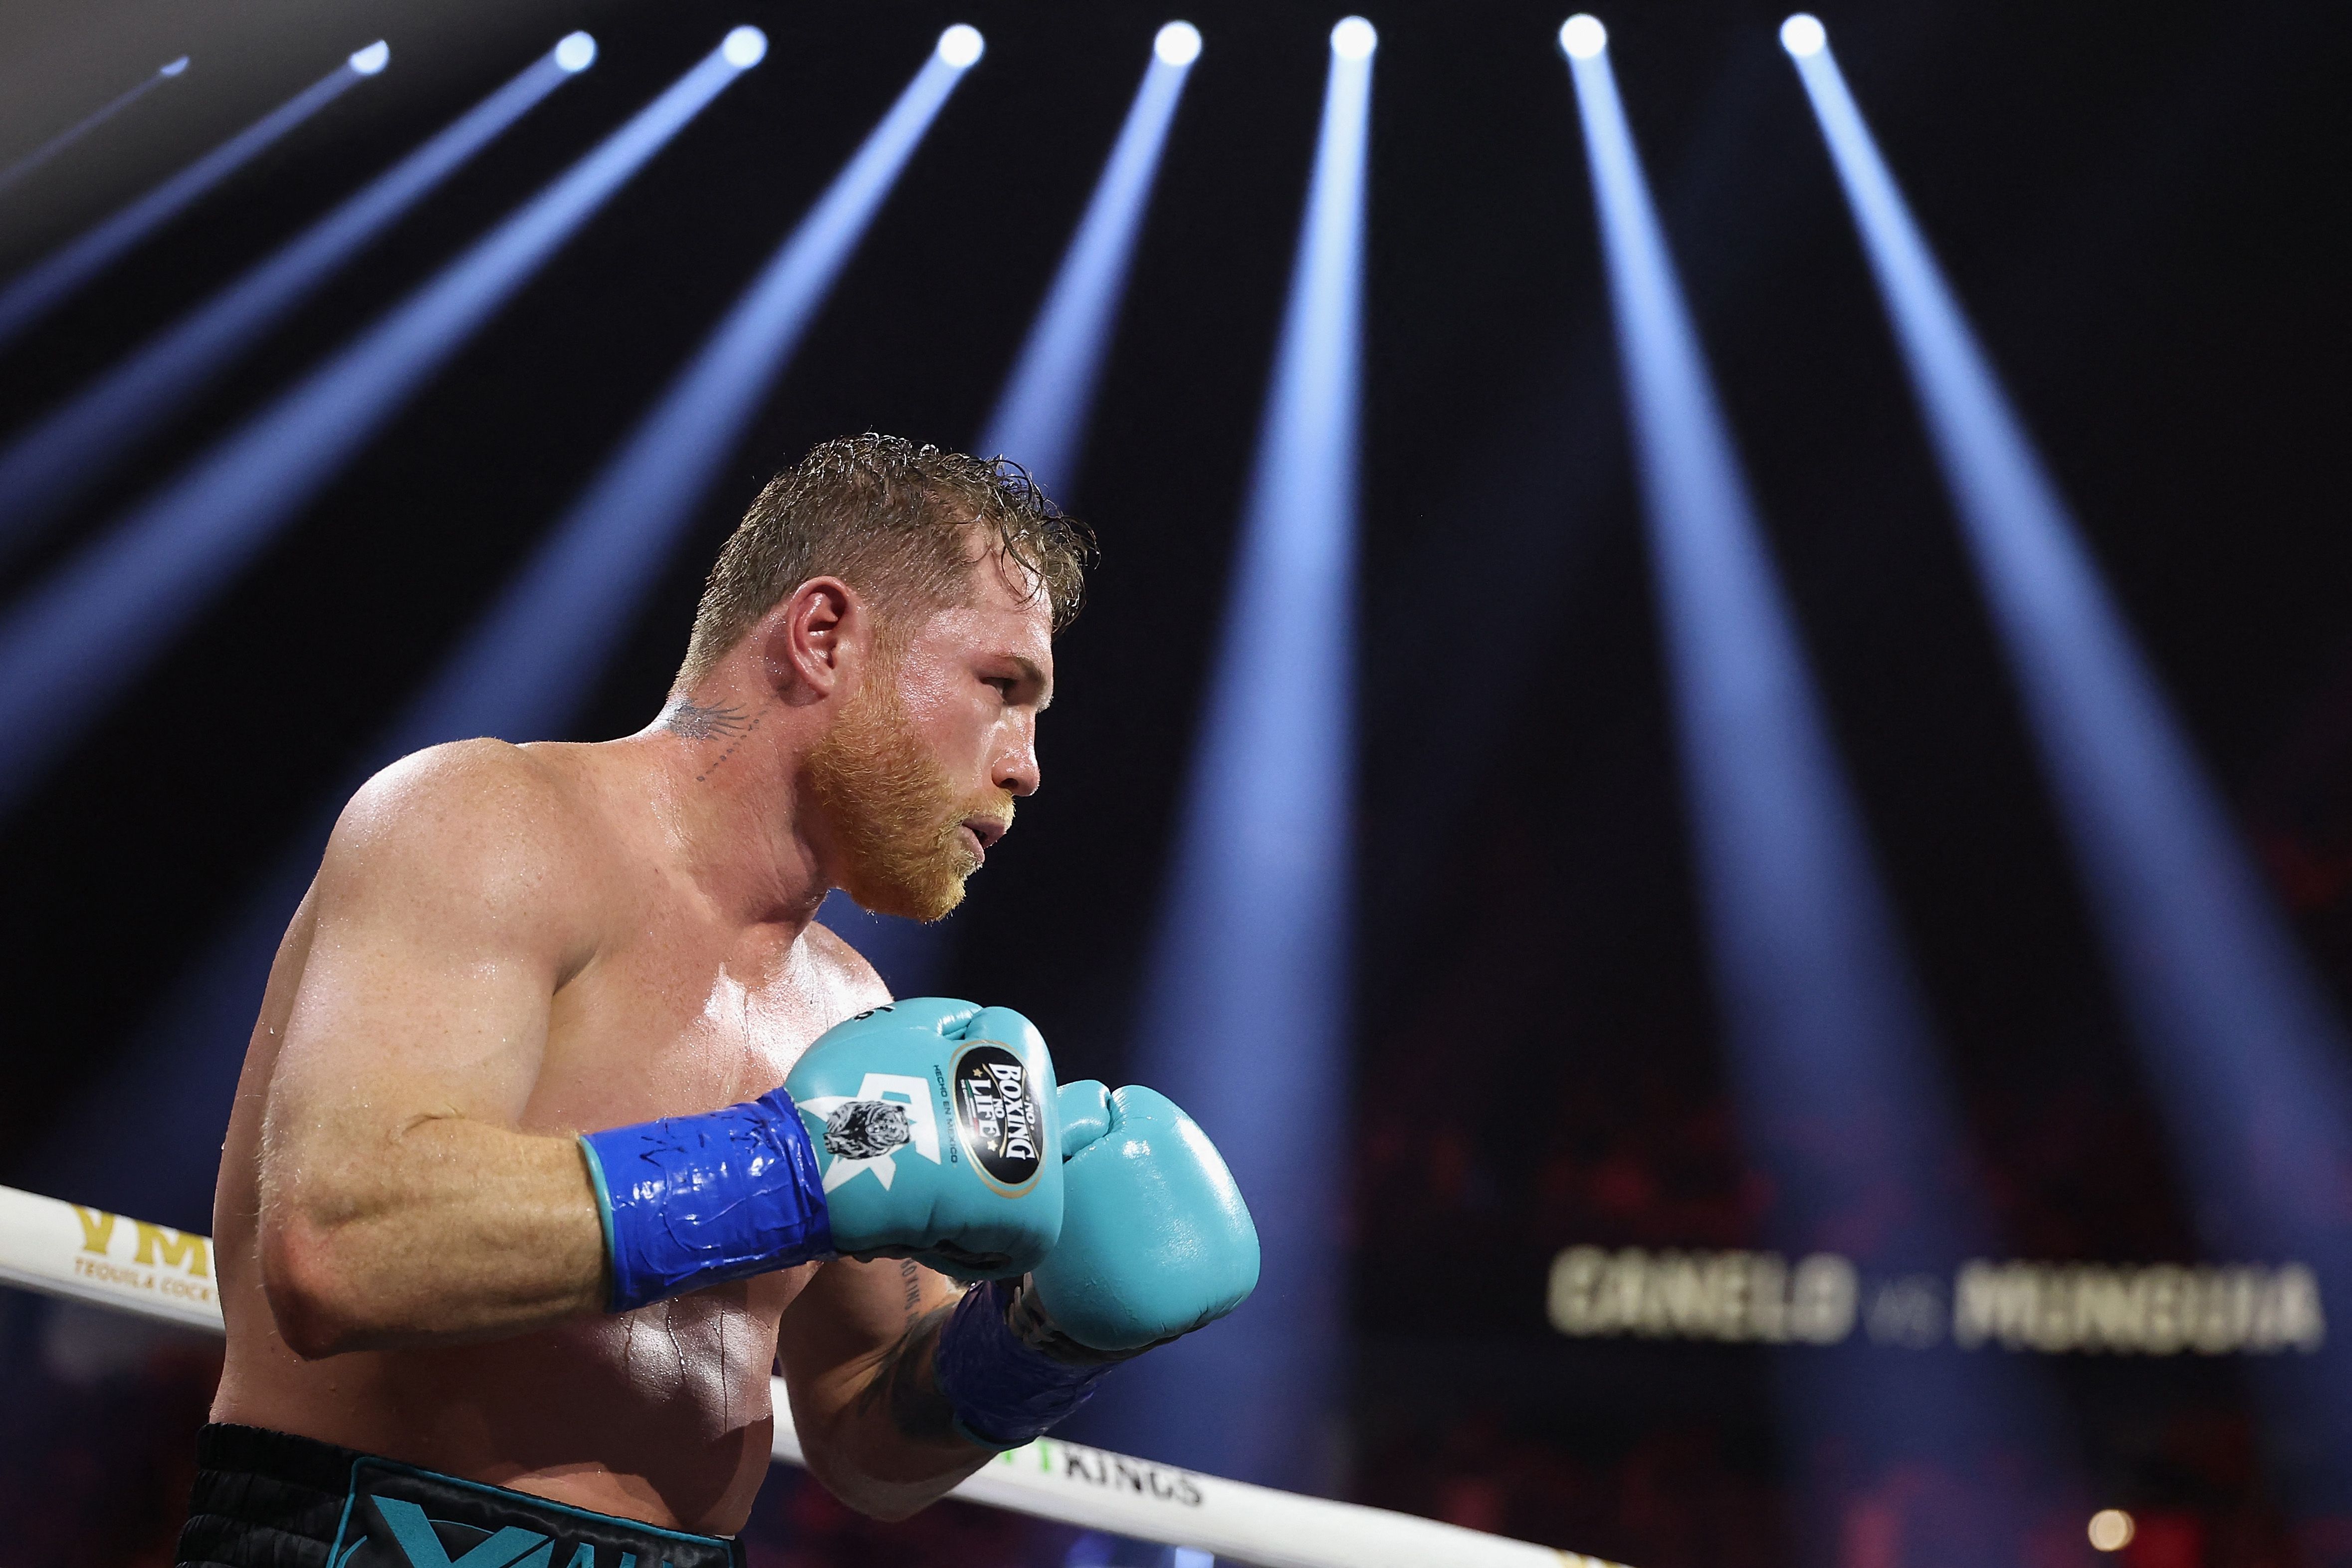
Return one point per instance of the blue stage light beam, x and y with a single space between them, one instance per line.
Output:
1832 1059
528 667
169 70
89 630
1040 420
1812 992
522 672
46 283
1244 1021
42 471
2248 1057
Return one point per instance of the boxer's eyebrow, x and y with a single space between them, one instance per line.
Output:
1035 677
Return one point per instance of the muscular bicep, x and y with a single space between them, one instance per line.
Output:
431 965
400 1201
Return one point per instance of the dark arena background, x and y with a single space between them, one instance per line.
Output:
1721 761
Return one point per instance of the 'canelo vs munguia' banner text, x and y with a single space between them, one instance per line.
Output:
2156 1308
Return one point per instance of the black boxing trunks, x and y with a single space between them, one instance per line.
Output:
268 1500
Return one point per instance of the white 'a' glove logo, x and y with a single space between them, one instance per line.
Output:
865 1130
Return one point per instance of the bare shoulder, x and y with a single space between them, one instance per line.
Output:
471 832
483 794
852 984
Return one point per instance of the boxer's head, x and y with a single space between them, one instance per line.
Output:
905 599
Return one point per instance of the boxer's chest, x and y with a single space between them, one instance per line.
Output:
681 1019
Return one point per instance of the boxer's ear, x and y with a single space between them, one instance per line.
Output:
814 637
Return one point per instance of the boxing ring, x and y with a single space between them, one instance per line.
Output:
152 1272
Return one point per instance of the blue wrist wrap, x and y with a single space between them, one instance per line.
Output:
1004 1392
689 1200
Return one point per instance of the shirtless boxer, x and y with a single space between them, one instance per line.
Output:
535 1174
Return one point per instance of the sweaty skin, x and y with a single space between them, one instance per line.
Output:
506 945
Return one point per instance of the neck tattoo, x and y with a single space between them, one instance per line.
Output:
731 724
697 723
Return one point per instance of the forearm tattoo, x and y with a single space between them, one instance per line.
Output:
906 1385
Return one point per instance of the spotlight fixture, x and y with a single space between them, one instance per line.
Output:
962 46
372 59
1179 43
1583 36
1802 35
1354 38
744 47
575 52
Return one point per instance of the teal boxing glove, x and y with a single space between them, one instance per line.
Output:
1156 1240
934 1127
925 1129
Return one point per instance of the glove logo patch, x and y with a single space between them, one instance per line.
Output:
866 1131
999 1115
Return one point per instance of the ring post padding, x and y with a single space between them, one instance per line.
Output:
152 1272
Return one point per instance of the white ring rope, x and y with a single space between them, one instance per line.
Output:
149 1271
